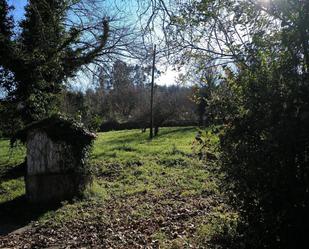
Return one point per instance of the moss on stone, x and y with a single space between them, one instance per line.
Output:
59 129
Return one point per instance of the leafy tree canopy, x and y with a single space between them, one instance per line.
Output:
47 52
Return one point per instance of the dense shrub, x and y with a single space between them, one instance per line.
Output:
9 121
265 154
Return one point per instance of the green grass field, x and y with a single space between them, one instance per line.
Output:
155 193
10 187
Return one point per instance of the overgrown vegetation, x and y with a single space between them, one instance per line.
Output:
250 61
262 101
264 155
146 192
36 61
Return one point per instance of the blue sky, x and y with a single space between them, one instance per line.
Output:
19 8
167 77
20 4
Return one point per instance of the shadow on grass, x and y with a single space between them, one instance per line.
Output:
18 213
13 172
183 129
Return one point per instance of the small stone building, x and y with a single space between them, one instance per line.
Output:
57 149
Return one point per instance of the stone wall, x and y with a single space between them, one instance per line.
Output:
50 169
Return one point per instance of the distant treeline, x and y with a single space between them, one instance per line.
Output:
121 100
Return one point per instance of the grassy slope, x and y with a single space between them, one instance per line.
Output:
154 193
10 187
